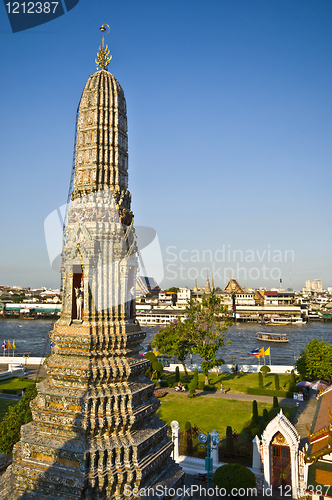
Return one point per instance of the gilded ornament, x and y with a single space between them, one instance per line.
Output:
103 53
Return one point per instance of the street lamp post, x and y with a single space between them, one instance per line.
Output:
209 443
26 356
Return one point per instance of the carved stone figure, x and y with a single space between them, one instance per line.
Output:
79 302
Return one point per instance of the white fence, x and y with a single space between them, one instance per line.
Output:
17 360
228 368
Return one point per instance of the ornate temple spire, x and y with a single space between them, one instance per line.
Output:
94 433
195 286
212 284
207 284
101 160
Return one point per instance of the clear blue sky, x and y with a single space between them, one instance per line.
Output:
230 121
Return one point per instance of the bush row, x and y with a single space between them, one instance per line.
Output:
259 391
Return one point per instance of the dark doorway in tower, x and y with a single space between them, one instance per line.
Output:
77 292
281 462
130 287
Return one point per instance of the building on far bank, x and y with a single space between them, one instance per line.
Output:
146 285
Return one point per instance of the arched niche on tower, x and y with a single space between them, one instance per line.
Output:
280 454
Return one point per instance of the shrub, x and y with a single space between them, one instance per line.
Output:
157 367
164 383
194 383
292 382
261 427
276 382
16 416
260 380
192 387
273 413
265 415
177 374
229 440
265 369
275 402
159 393
201 386
231 476
243 451
258 391
209 387
254 431
196 377
189 438
255 418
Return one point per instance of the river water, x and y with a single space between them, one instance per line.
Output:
31 336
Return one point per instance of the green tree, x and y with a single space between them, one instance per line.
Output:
292 382
151 357
260 379
315 361
196 377
174 340
177 374
189 438
275 402
255 417
265 369
229 440
206 324
16 416
157 367
276 382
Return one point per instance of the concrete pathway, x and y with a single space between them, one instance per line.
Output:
236 396
10 396
305 414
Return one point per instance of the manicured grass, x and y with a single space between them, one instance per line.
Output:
4 405
234 383
15 384
208 413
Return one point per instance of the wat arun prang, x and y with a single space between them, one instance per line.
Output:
94 433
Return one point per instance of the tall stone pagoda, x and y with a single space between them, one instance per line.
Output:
94 433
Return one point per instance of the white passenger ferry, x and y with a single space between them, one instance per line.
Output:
272 337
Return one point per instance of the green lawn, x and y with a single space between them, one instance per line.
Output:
208 413
4 405
234 383
15 384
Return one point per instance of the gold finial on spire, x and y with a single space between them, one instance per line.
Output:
103 52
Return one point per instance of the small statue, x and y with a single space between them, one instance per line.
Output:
79 302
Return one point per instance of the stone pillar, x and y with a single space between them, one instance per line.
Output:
256 456
295 471
176 439
214 448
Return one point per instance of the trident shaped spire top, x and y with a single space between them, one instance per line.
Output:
103 53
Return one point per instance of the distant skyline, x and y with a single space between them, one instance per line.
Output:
230 120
